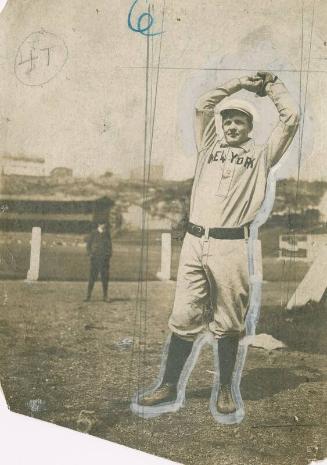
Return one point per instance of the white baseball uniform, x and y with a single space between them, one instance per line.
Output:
228 190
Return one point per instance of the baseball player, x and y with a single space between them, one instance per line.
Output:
228 191
99 248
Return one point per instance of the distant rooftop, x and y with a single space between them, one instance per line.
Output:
23 158
58 197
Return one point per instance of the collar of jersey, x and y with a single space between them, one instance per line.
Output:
246 146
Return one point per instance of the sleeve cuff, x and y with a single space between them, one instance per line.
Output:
270 85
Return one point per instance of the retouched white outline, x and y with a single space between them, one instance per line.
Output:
256 279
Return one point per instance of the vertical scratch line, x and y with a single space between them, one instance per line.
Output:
303 113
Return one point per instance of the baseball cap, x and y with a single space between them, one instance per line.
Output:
240 105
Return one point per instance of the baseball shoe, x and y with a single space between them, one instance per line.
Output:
225 401
164 393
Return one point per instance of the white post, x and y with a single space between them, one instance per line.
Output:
165 272
33 272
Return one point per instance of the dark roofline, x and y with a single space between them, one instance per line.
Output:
53 198
24 158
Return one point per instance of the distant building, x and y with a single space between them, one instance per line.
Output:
132 219
61 172
156 173
323 208
56 213
303 247
22 165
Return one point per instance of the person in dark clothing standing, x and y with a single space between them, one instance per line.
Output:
99 248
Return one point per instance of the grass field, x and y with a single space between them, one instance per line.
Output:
60 357
63 258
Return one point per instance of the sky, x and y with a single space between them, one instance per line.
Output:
85 108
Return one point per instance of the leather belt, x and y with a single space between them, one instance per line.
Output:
220 233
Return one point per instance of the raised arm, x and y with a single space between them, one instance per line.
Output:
204 111
205 129
288 123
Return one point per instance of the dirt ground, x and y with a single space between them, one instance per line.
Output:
73 364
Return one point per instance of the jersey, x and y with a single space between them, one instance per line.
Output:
229 185
230 182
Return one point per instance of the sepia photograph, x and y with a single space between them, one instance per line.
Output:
163 225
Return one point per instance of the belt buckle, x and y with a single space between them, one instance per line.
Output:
197 230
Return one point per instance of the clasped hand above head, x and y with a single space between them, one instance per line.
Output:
257 83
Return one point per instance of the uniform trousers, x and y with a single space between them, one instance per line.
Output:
213 287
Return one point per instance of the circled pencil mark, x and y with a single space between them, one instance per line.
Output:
40 57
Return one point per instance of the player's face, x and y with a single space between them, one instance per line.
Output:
236 127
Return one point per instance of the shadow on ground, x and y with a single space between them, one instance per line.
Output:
301 329
262 383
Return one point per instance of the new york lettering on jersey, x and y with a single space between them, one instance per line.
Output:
236 158
234 162
229 184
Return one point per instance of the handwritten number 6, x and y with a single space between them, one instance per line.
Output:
142 30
